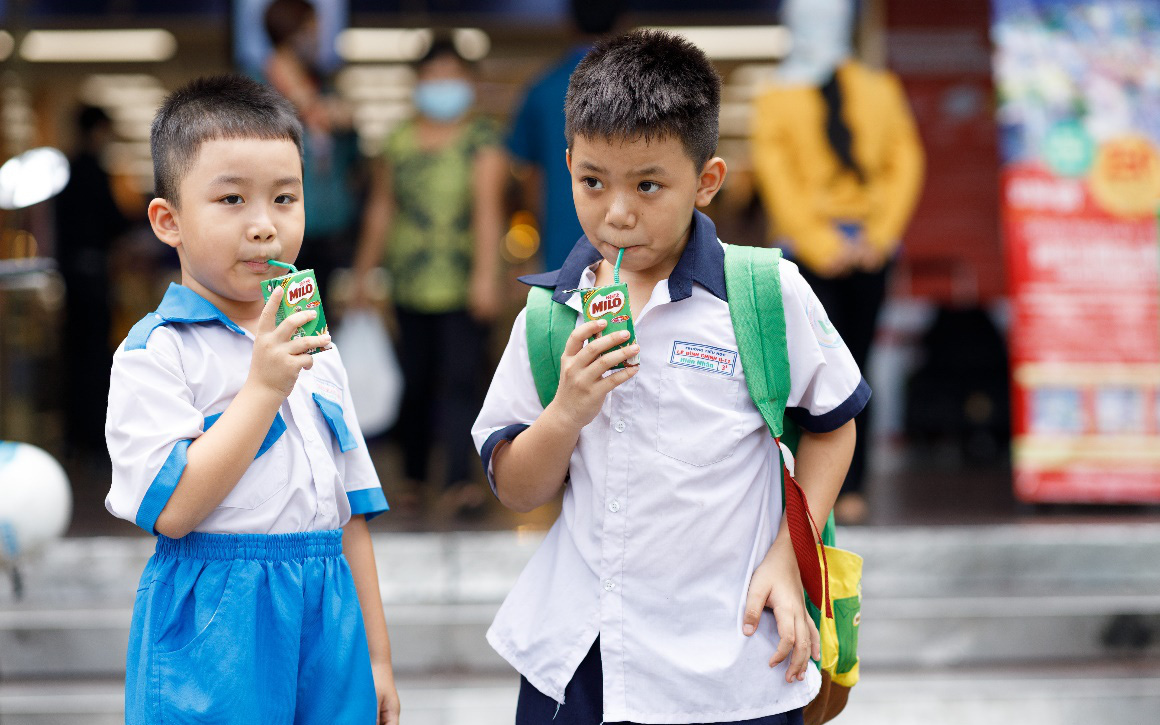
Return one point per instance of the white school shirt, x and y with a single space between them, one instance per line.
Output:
673 500
172 377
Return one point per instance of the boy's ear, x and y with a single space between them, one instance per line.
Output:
163 219
710 181
568 159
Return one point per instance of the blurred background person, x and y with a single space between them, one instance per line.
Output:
434 219
331 188
88 222
840 166
536 137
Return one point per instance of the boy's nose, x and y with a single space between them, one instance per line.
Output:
262 229
620 213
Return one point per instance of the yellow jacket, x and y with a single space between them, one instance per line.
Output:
805 188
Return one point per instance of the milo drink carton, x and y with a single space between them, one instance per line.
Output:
611 303
299 293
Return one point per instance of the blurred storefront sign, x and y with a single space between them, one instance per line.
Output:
1079 119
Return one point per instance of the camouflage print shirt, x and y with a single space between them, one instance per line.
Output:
431 245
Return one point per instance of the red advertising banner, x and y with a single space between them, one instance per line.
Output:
1080 189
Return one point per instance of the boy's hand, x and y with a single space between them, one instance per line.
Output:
388 697
583 384
278 356
776 584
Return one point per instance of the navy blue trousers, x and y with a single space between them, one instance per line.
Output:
584 701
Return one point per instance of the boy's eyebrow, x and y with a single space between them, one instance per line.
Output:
646 171
229 179
649 171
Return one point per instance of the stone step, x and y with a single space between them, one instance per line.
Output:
461 567
1095 692
937 597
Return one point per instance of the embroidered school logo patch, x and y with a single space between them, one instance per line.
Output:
825 332
703 357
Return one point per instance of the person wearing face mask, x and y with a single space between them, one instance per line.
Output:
331 162
840 167
433 220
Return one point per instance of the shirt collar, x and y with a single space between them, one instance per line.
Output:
181 304
702 261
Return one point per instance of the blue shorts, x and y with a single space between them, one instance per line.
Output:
254 628
584 700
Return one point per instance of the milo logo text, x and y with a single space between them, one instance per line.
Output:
609 304
299 291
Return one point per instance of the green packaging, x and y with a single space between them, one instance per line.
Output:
299 293
611 303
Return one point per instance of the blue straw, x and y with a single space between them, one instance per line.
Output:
616 269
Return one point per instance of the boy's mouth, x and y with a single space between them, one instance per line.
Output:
258 265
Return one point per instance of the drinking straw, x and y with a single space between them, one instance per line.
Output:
283 265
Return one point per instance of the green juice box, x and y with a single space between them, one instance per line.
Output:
299 293
611 303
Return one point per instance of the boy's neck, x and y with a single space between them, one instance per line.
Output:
243 313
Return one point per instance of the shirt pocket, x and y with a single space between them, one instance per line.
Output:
699 420
268 473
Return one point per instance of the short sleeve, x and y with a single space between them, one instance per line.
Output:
511 404
827 389
150 423
359 478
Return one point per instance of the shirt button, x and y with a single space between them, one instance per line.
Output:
608 585
613 505
620 426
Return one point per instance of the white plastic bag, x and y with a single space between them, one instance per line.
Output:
376 380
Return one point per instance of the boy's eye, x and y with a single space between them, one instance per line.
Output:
592 182
649 187
232 199
284 199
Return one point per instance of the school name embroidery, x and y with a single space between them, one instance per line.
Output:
704 357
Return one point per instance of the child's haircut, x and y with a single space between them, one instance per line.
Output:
643 85
215 107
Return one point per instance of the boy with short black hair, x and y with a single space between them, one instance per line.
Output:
644 603
240 450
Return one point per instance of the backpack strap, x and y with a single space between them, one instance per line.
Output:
753 283
549 324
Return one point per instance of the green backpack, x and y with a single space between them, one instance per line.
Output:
753 283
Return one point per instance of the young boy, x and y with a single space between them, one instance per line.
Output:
240 450
645 601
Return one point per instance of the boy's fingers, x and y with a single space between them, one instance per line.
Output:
803 645
607 383
294 321
580 334
616 357
270 311
787 632
784 645
601 345
300 345
754 604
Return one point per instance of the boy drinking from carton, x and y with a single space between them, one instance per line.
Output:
240 450
645 601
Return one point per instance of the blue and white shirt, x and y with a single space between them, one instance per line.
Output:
673 499
174 375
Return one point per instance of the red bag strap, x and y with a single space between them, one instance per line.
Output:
805 535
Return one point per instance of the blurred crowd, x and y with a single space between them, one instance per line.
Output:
414 231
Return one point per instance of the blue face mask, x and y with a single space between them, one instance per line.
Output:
443 100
